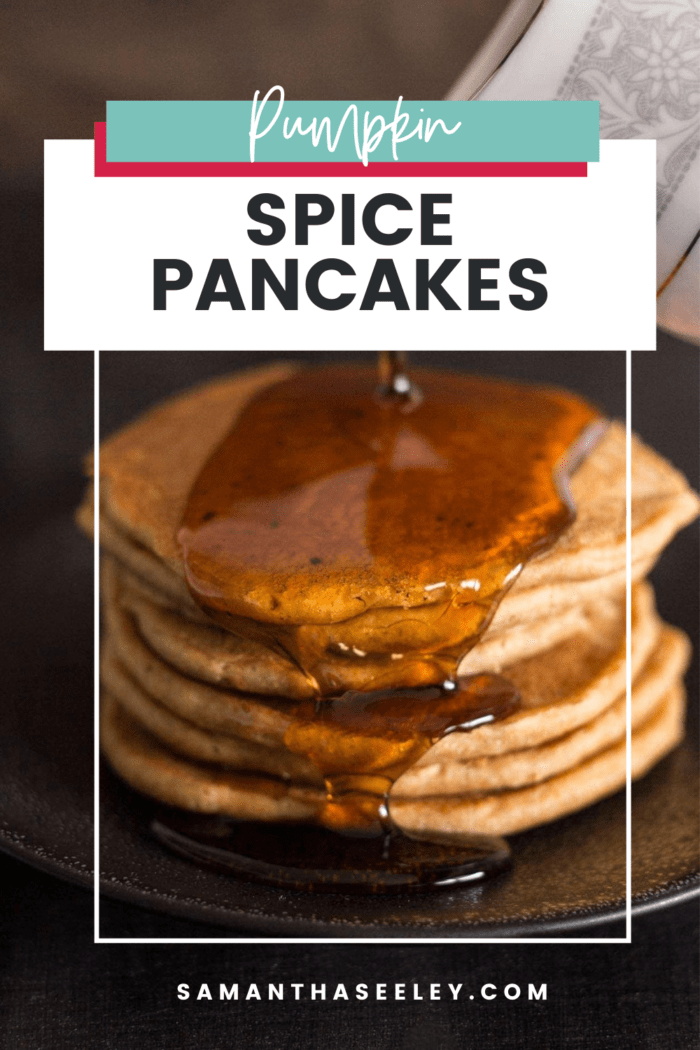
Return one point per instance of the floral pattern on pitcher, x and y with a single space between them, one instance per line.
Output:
641 60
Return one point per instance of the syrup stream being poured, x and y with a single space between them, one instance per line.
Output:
394 381
421 499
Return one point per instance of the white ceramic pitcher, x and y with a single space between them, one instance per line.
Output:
641 60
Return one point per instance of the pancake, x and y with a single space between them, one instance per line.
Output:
207 652
561 689
148 766
148 469
438 773
197 714
155 770
434 773
193 740
508 812
144 488
556 604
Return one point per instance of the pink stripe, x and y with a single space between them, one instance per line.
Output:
229 169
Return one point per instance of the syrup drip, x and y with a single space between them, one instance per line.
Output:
394 381
419 500
362 742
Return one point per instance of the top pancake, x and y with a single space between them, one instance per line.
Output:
148 469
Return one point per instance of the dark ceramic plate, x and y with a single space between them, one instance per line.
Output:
566 879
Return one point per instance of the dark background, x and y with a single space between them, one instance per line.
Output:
59 990
59 61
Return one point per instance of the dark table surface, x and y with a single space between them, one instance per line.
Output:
62 992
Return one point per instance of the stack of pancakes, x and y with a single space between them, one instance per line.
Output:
195 716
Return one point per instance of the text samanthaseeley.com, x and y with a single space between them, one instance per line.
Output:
320 992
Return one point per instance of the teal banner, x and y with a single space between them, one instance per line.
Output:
272 129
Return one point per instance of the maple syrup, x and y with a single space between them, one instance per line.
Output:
394 381
362 742
421 499
310 858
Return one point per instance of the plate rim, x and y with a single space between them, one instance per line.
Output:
678 891
579 919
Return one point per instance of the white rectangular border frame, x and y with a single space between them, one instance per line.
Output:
627 939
